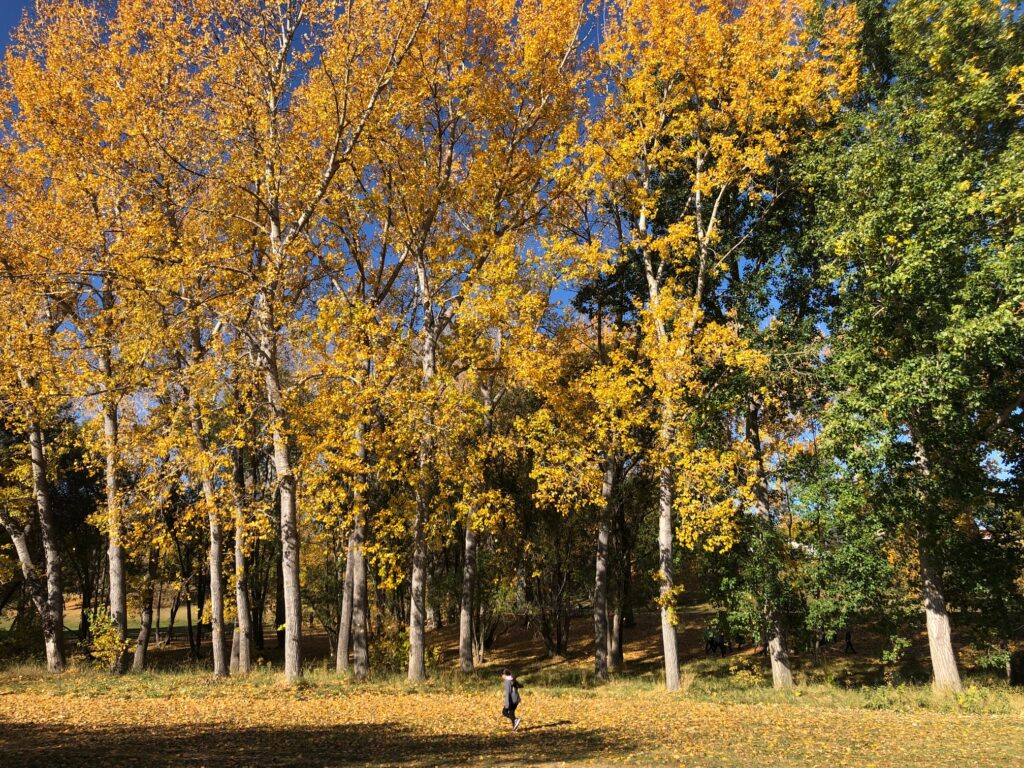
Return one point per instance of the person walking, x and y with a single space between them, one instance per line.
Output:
512 698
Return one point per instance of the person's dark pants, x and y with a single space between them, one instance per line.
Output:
510 712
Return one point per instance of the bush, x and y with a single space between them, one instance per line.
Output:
105 645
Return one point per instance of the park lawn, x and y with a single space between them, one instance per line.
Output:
188 719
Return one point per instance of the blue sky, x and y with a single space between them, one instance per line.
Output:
10 15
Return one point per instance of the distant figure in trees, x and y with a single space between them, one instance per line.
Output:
849 643
716 642
512 699
724 646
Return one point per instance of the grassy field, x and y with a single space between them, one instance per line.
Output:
840 714
187 719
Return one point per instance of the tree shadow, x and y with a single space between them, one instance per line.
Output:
542 726
33 745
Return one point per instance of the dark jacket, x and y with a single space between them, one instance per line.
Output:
512 687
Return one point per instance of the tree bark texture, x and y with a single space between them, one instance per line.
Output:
345 620
466 607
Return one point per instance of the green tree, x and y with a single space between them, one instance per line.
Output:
926 267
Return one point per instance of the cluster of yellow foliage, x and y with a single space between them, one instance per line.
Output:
329 234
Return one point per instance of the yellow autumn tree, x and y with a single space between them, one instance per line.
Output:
698 102
70 143
33 391
293 89
483 116
587 435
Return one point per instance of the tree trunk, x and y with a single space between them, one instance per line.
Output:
466 607
778 653
360 650
345 620
233 657
193 651
83 620
33 584
782 674
289 541
216 564
435 620
290 587
175 604
417 597
52 618
668 630
201 585
216 556
424 485
563 619
615 654
601 574
156 615
243 624
279 604
146 625
216 551
115 550
945 674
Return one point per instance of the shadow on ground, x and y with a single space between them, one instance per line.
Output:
32 745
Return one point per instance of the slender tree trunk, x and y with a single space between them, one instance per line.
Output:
778 652
52 618
115 550
945 674
216 551
201 584
289 582
424 487
601 573
235 642
608 639
156 616
418 581
360 606
668 630
216 557
243 625
479 634
417 598
193 651
83 618
345 620
289 533
146 626
466 607
171 617
434 618
279 604
615 653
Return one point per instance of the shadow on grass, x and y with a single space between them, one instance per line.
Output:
541 726
32 745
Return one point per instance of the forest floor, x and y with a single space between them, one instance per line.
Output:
840 714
